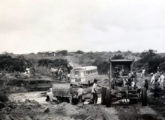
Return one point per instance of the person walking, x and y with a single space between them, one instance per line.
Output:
94 92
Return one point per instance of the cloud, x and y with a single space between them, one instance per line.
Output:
100 25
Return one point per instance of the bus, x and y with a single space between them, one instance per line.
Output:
83 75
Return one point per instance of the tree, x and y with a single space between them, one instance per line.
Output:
154 63
45 62
150 60
118 57
147 55
79 52
102 66
57 63
10 64
162 66
62 52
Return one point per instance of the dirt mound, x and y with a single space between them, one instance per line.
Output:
21 111
69 109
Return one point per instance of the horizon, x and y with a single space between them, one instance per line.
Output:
5 52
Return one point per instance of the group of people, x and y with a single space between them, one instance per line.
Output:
94 92
158 77
158 82
60 73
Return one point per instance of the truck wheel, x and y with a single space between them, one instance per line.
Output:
144 97
108 98
103 96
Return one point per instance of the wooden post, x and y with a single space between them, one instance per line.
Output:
110 73
132 66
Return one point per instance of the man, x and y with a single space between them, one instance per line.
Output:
49 96
161 81
146 84
129 83
94 91
80 93
143 73
153 78
156 88
71 93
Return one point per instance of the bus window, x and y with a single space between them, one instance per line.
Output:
77 72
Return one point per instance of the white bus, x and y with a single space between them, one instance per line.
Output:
83 75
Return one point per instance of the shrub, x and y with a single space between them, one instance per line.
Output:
3 97
154 63
79 52
118 57
102 66
151 61
45 62
55 63
162 67
9 64
62 53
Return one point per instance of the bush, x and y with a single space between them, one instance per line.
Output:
162 67
102 66
3 97
45 62
154 63
118 57
55 63
62 53
9 64
79 52
151 61
52 63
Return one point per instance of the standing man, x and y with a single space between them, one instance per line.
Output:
94 92
143 72
161 80
80 93
71 94
156 88
146 84
153 78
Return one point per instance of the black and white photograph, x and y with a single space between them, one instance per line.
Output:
82 59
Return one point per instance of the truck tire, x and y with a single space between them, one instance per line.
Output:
103 96
144 97
108 98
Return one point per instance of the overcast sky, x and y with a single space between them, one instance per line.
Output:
91 25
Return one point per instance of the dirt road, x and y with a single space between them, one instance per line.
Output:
66 111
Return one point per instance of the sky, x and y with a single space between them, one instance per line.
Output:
28 26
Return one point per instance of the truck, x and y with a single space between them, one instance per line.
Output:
123 84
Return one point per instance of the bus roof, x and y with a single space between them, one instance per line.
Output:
86 68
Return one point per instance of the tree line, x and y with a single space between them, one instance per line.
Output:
19 63
150 60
